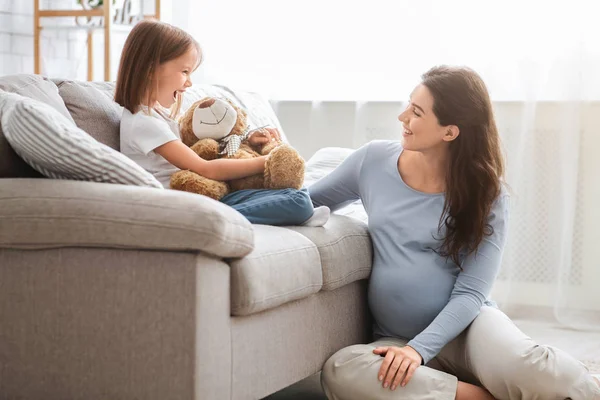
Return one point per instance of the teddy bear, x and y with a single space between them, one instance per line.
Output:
217 128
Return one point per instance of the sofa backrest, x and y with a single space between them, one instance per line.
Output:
94 110
91 106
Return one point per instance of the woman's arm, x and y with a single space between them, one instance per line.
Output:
341 186
472 287
183 157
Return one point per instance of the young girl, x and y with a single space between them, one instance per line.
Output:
154 72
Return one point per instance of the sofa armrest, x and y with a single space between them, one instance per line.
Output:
45 213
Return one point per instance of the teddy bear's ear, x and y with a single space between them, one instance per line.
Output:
215 121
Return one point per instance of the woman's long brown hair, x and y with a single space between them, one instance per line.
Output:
476 167
149 44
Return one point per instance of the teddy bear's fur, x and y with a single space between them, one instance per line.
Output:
284 167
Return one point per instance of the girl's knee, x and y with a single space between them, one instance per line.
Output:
303 204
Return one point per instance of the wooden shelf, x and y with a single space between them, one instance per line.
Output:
103 11
98 12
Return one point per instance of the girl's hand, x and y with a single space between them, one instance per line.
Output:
398 362
275 135
264 136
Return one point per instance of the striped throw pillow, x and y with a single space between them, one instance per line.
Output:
55 147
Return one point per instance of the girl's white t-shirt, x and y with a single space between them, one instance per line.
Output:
141 133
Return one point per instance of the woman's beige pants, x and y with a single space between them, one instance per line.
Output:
492 352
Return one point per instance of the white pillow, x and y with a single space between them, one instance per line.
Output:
260 112
322 163
55 147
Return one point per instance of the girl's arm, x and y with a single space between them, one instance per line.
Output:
183 157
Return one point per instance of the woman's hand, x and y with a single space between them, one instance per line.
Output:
398 362
264 136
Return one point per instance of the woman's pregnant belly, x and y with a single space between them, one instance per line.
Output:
405 299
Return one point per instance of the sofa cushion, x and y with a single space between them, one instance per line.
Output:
54 146
283 266
93 108
47 213
35 87
345 250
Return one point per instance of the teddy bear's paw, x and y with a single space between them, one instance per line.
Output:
250 182
189 181
207 149
284 168
269 147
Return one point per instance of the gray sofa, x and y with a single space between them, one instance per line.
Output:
121 292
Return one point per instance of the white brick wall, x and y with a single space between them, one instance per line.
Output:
7 5
16 36
6 22
22 24
22 45
16 40
5 45
11 64
23 7
64 52
26 65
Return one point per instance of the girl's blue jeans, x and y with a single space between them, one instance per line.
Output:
272 207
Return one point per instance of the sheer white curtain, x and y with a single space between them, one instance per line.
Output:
338 72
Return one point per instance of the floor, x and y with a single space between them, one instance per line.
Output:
583 345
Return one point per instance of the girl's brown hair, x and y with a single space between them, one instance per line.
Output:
149 44
476 164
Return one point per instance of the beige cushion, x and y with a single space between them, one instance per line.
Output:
283 266
294 262
35 87
93 108
46 213
345 249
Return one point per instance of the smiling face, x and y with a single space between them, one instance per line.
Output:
422 130
213 118
173 77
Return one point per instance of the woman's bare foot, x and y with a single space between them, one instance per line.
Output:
466 391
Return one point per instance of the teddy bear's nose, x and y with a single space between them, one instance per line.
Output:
206 103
